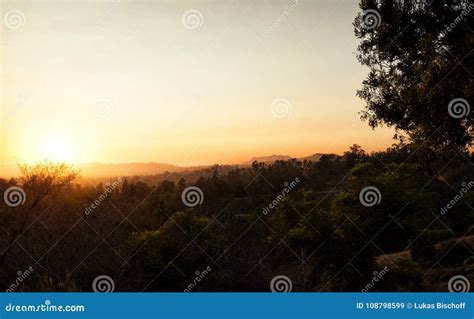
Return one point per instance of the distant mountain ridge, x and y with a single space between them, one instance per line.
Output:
267 159
273 158
126 169
152 168
314 158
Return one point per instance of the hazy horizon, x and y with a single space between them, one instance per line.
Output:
257 156
96 169
118 82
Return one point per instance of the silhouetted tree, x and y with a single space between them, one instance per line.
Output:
40 183
420 58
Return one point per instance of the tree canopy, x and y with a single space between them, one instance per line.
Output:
421 69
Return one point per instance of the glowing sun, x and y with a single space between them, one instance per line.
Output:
59 148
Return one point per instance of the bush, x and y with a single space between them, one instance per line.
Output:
423 251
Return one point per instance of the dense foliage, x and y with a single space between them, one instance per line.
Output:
420 58
319 233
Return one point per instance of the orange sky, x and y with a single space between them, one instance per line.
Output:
143 81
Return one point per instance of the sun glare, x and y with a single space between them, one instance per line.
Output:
57 148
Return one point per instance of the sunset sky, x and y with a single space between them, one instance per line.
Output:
136 81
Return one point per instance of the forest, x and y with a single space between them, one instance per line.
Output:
307 220
396 220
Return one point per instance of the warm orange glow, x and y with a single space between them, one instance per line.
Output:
58 148
193 97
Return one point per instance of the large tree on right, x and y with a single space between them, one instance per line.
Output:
421 78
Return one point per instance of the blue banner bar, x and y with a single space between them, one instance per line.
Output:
237 305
